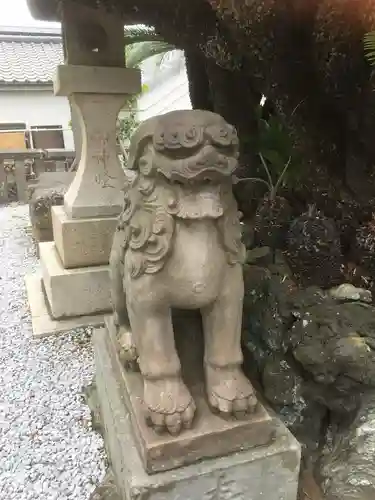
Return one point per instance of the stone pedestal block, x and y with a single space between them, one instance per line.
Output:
82 242
265 472
73 292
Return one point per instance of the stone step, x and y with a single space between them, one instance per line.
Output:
43 324
73 292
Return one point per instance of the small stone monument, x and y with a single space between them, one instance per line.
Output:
180 418
48 191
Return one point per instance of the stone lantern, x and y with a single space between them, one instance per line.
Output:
75 277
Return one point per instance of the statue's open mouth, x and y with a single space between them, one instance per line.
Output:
208 165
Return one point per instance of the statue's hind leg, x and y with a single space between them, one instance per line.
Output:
228 390
169 404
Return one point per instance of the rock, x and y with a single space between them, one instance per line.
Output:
334 343
281 383
261 320
271 297
347 291
259 255
308 488
314 250
348 466
312 353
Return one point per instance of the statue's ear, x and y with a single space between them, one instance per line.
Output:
139 140
136 150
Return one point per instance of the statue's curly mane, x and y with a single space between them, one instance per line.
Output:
149 217
147 226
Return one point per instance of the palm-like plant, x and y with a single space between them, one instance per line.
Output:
141 43
369 43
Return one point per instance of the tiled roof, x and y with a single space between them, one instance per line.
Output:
29 58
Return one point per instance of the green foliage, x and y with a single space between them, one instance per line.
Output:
141 43
274 145
279 165
128 124
369 43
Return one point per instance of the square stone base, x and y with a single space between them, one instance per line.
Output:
43 324
211 435
73 292
82 242
268 472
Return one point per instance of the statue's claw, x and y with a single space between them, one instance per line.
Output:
230 392
169 405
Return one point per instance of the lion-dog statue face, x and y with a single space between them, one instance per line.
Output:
178 245
184 162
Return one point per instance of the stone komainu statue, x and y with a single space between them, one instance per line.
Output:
178 245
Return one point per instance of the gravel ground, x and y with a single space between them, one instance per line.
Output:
47 448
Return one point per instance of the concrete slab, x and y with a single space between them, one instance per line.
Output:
42 323
73 292
269 472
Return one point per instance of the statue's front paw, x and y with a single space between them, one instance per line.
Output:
127 351
229 392
170 406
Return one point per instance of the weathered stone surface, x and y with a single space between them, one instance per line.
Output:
96 189
107 490
82 242
313 356
73 292
97 94
46 193
347 466
308 487
178 246
211 436
87 29
267 472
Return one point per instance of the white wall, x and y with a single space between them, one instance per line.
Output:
167 83
36 108
173 94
